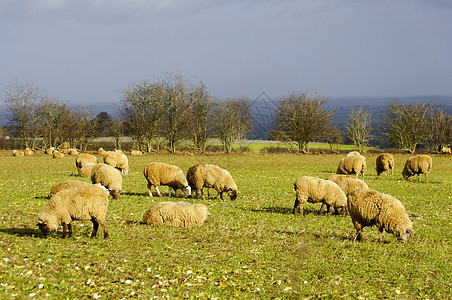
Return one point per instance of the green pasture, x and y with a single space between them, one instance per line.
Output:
252 248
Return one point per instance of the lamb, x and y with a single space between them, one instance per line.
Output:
57 154
445 150
369 207
68 184
211 176
118 160
86 171
384 163
18 153
313 189
353 164
176 214
84 159
108 177
81 203
417 164
157 173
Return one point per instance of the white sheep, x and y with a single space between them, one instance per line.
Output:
313 190
49 150
28 152
68 184
157 174
71 151
445 150
118 160
176 214
87 170
352 153
369 207
136 152
384 163
81 203
347 183
212 176
18 153
84 159
101 151
354 164
417 164
108 177
57 154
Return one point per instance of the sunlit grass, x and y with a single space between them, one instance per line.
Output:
251 248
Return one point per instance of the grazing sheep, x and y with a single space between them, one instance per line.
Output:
71 151
84 159
348 183
68 184
211 176
136 153
57 154
370 207
49 150
176 214
118 160
18 153
101 151
352 153
86 171
81 203
28 152
417 164
445 150
353 164
313 189
158 174
384 163
108 177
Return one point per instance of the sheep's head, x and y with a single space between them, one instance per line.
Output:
43 227
405 174
406 235
233 194
186 190
115 194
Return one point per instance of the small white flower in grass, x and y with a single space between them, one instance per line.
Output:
397 291
258 290
131 214
49 260
189 272
125 260
31 294
188 284
5 259
287 289
86 267
40 286
77 268
96 296
128 281
305 282
148 269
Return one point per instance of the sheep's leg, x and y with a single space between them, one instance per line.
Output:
380 236
208 192
64 230
359 231
149 189
158 192
426 177
169 191
95 227
69 227
300 200
322 208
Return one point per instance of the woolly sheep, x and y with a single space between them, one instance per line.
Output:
384 163
101 151
108 177
86 171
18 153
57 154
71 151
352 153
84 159
118 160
68 184
212 176
313 189
136 153
353 164
81 203
49 150
445 150
28 152
176 214
157 174
347 183
417 164
369 207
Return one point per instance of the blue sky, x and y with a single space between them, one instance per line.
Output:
87 51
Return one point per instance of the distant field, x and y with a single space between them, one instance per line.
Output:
247 249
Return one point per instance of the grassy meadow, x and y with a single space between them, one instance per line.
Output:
247 249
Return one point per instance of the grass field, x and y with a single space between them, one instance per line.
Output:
248 249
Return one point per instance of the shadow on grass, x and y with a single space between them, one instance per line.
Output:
24 231
289 210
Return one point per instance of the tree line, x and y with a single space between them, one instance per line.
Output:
171 109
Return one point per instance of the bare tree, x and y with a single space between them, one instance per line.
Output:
300 120
22 100
54 117
201 116
440 128
358 128
405 126
332 135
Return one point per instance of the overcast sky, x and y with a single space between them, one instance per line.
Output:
87 51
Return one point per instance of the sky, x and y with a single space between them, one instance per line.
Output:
88 51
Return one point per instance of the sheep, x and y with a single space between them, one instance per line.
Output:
348 183
445 150
136 153
157 173
313 189
28 152
369 207
353 164
101 151
84 159
384 163
49 150
417 164
353 153
212 176
86 171
80 203
57 154
176 214
18 153
108 177
71 151
118 160
68 184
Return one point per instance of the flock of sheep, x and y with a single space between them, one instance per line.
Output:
78 200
